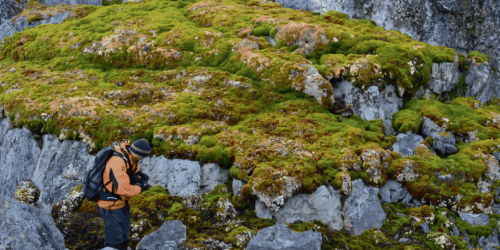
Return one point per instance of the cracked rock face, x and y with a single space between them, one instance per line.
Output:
272 200
25 227
280 237
323 205
168 237
443 142
362 210
372 103
183 177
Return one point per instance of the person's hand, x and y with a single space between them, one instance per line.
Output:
134 179
144 186
143 176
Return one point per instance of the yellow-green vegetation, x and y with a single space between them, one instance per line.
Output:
200 80
478 57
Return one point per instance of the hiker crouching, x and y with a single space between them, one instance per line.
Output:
122 178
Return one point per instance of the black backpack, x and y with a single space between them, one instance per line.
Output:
93 185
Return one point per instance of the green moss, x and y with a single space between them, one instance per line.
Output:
33 19
407 120
478 56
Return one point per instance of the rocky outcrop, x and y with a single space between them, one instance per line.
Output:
8 28
60 167
183 177
168 237
372 103
444 76
9 9
25 227
463 26
71 2
406 144
280 237
443 142
323 205
362 210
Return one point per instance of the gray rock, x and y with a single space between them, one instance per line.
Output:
323 205
18 155
406 144
211 176
404 240
10 8
455 231
480 82
496 154
9 29
280 237
362 210
60 168
442 144
371 103
72 2
5 125
474 219
25 227
272 41
444 76
496 208
425 227
466 238
393 192
237 185
492 241
417 202
183 177
168 237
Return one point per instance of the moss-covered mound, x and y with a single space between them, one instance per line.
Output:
247 85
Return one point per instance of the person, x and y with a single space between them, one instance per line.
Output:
124 181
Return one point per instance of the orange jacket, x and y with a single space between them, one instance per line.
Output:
119 169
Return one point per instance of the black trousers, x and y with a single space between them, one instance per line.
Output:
116 227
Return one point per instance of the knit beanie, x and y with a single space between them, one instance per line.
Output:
141 148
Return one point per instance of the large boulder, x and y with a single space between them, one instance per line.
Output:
406 143
443 142
323 205
25 227
18 155
363 210
168 237
280 237
183 177
60 167
444 76
372 103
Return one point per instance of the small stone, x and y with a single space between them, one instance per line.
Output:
425 227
